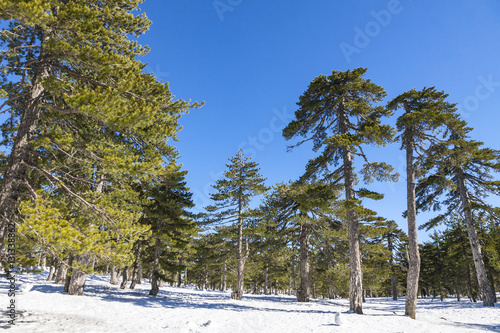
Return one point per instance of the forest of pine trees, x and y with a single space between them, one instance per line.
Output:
91 180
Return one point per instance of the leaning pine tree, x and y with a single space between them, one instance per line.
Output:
82 108
240 184
337 114
462 169
426 114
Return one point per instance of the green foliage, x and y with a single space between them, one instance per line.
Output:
234 192
165 213
99 128
427 118
458 156
336 113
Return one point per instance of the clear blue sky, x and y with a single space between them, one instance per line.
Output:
250 60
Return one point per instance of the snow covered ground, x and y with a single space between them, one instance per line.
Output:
106 308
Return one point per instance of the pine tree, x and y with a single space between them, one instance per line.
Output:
381 239
293 212
425 113
463 170
337 114
240 184
171 224
69 76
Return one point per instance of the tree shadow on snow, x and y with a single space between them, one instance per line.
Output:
203 300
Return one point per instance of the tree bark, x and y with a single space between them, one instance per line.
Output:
241 258
114 279
123 285
223 286
156 266
413 251
304 289
138 279
394 288
136 267
179 276
489 271
482 277
15 176
51 273
266 278
51 270
78 277
470 291
356 275
67 280
62 270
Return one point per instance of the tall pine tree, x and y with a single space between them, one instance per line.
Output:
426 112
337 114
234 192
463 170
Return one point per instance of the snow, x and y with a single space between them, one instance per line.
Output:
106 308
25 287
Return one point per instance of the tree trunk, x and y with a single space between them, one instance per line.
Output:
470 291
156 266
266 278
51 273
413 252
136 267
154 284
56 270
62 269
304 289
138 279
15 176
78 277
51 270
205 278
114 279
457 291
482 278
42 260
223 286
67 280
394 288
238 294
123 285
179 276
356 275
490 274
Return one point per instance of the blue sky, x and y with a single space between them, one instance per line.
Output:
249 61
